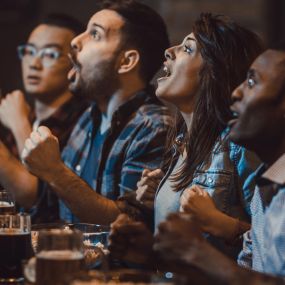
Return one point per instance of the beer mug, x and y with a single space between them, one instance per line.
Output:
7 203
59 256
15 246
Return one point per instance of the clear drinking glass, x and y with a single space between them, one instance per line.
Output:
59 255
95 241
15 246
7 203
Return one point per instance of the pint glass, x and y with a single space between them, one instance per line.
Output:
59 255
15 246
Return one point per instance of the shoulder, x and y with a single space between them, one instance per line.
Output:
233 154
154 114
224 144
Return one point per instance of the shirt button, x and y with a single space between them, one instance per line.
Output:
89 135
210 180
78 167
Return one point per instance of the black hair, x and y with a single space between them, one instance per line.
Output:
145 30
63 21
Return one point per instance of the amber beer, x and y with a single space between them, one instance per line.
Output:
15 246
59 256
6 208
54 266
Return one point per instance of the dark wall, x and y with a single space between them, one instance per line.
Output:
18 17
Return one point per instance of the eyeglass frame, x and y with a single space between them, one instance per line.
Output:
39 53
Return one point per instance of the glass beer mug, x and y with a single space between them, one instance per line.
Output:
59 255
15 246
7 203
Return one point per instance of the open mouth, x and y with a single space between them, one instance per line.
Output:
74 70
74 63
235 116
167 71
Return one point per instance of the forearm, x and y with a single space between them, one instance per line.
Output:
227 227
21 132
15 178
225 271
81 199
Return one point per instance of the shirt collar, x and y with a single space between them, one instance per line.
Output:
276 172
128 108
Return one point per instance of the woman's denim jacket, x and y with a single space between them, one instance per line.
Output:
228 176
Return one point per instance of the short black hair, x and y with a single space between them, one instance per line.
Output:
63 21
145 30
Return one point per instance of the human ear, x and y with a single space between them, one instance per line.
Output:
129 61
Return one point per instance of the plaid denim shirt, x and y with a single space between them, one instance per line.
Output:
135 141
264 243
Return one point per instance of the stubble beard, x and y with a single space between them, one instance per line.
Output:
98 84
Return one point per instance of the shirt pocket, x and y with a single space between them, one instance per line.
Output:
217 184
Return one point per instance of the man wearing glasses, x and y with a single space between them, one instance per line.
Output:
45 65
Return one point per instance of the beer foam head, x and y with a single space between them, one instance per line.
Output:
11 231
4 204
60 255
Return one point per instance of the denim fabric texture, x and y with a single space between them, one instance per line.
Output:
228 176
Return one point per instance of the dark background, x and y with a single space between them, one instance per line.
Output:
18 17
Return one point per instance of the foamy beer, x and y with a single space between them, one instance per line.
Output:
59 256
15 246
7 203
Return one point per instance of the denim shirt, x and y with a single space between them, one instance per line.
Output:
228 176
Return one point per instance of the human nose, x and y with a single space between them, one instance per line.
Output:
35 62
170 53
237 94
76 43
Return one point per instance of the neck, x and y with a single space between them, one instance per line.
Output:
188 119
271 153
43 110
118 98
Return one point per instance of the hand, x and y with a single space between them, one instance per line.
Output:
197 202
147 187
179 239
14 110
130 241
41 154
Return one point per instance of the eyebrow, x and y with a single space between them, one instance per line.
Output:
98 26
51 45
190 39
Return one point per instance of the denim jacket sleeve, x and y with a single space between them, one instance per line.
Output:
246 162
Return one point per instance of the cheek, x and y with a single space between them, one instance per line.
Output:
186 83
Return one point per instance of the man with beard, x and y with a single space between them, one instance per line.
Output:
45 65
124 131
259 125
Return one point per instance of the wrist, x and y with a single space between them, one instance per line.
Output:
55 173
21 124
215 224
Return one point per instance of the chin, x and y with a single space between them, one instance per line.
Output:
35 92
